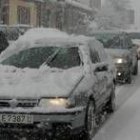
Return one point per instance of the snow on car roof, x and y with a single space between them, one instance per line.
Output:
38 37
39 33
51 35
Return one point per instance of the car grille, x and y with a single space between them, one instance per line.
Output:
24 103
4 104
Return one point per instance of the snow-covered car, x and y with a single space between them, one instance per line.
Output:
120 47
53 85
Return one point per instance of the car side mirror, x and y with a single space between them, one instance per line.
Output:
101 68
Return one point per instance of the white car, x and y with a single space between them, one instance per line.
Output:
53 85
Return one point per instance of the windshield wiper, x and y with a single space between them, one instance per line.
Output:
50 58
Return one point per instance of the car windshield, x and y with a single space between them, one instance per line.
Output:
55 57
112 41
118 42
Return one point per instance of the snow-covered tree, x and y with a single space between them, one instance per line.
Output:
112 15
120 5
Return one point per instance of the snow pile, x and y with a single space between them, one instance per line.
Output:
39 33
37 83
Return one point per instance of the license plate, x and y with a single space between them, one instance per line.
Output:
16 118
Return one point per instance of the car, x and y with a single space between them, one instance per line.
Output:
54 85
120 47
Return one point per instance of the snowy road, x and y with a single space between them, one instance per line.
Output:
124 124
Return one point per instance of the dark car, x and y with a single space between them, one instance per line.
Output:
57 85
119 45
135 36
3 41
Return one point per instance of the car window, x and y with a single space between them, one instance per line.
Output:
104 37
52 56
94 56
65 58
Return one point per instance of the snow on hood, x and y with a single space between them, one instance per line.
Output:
114 53
37 83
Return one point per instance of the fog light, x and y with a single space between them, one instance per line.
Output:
119 74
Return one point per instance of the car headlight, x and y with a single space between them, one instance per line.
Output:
120 60
55 102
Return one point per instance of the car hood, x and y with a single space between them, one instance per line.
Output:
37 83
117 53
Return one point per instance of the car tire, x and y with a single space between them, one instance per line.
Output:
90 122
111 104
135 72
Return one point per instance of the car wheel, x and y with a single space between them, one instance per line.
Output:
136 69
90 122
111 105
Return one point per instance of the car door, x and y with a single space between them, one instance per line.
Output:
99 71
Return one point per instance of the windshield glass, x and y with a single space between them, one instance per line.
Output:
57 57
113 41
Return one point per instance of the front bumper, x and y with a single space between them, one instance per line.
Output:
46 123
